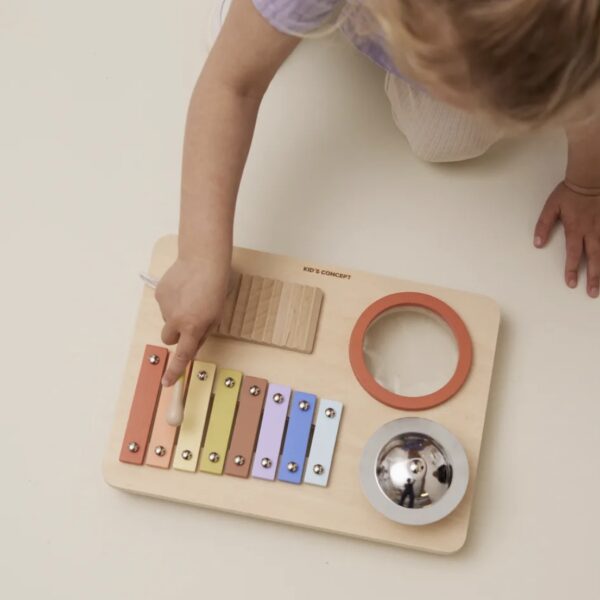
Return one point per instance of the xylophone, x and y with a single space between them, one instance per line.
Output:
238 417
281 393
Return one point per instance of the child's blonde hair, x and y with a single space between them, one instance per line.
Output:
528 61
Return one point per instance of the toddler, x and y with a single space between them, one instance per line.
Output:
460 74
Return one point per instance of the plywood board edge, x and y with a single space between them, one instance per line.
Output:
119 482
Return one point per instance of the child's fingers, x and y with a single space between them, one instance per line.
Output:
169 335
592 248
546 222
574 253
184 354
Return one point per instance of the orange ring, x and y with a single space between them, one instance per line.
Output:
456 324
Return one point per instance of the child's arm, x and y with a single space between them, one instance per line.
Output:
219 130
576 202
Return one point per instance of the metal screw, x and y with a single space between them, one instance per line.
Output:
202 375
133 447
254 390
278 398
229 382
329 413
160 450
186 455
239 460
303 405
318 469
154 359
266 463
292 467
213 457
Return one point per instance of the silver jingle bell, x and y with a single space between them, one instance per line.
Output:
414 471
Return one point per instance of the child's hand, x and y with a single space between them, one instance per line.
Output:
191 296
579 212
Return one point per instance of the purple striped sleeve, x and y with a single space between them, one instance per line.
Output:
298 16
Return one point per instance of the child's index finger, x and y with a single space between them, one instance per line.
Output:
183 355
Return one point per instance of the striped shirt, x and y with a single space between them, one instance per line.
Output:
299 17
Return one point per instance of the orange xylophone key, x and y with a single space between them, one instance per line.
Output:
143 407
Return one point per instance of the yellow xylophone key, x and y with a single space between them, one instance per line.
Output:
194 416
227 388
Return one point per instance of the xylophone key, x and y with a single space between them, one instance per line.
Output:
143 407
164 433
293 456
271 432
245 430
323 442
194 416
227 388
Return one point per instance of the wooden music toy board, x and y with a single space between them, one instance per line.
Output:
279 396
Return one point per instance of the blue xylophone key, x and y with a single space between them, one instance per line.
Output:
293 456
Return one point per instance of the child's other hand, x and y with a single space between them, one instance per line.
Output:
190 295
579 212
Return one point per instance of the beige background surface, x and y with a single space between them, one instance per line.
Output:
92 104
